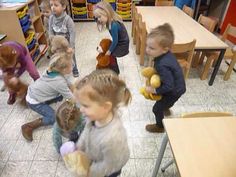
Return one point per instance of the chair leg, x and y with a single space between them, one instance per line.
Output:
167 165
196 59
206 68
230 69
137 44
160 155
201 59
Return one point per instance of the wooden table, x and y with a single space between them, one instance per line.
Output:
185 29
203 147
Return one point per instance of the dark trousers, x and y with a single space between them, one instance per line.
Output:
114 65
159 107
114 174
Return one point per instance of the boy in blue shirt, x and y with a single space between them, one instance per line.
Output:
159 43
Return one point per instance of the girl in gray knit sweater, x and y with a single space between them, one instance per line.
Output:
104 138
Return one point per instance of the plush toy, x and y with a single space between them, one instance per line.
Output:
102 59
14 84
59 43
153 80
76 161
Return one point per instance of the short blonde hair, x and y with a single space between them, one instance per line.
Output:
107 10
62 2
164 35
45 5
60 61
106 86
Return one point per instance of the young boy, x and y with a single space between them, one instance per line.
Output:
159 43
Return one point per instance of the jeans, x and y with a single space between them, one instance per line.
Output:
45 110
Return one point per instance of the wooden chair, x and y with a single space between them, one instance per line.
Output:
198 115
210 25
230 54
135 30
141 38
188 10
133 11
164 3
184 55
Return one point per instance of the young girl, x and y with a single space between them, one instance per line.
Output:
50 87
69 123
62 24
104 138
13 54
106 17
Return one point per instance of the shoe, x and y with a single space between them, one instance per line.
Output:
27 129
12 99
153 128
167 112
75 73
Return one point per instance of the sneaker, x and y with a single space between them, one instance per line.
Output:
153 128
75 73
167 112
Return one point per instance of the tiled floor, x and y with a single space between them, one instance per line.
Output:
19 158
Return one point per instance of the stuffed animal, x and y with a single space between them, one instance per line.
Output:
59 43
102 59
14 84
153 80
76 161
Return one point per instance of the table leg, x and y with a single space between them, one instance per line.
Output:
217 66
160 155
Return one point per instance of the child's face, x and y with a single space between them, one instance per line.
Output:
153 49
56 7
92 109
100 16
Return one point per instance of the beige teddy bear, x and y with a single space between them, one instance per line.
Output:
153 80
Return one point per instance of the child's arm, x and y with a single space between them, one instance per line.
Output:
167 81
50 30
57 140
114 34
71 30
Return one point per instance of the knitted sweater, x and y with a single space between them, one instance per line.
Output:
107 147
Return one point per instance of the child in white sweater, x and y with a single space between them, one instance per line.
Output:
104 138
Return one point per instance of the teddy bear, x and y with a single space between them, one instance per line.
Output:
14 84
59 43
103 61
76 161
153 80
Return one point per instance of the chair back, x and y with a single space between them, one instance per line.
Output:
188 10
138 33
207 22
206 114
184 54
133 12
229 31
164 3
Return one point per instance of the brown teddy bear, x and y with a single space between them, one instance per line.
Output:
14 84
102 59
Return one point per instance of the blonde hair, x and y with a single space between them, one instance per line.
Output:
106 86
68 115
107 10
64 3
164 35
60 61
45 5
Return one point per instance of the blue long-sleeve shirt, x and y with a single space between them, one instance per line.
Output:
171 74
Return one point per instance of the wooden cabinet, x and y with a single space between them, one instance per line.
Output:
23 23
83 9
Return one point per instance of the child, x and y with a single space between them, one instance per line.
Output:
159 43
106 17
62 24
104 138
49 88
69 123
14 60
46 12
